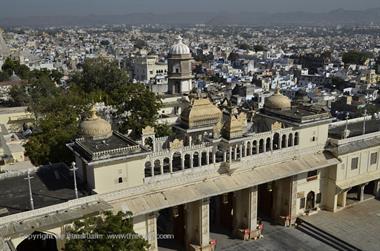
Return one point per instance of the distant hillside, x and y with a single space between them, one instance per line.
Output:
334 17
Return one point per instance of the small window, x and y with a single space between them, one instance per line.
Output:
373 158
313 139
354 163
120 180
319 198
302 203
312 175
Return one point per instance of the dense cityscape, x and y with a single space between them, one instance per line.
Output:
190 137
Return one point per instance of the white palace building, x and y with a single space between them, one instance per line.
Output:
219 168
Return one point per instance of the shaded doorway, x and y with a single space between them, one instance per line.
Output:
38 241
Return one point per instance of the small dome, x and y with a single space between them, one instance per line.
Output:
95 128
179 48
200 113
278 101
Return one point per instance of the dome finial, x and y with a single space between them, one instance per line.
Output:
179 39
93 112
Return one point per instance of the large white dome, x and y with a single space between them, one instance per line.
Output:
179 48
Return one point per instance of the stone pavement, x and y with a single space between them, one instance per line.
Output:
276 238
358 225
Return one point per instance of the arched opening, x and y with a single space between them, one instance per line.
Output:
157 167
166 165
254 147
268 145
276 141
204 159
249 148
177 162
283 142
261 146
148 169
38 241
148 142
296 139
210 159
310 201
187 161
120 180
219 156
290 140
196 159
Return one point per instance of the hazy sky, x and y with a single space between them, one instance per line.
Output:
11 8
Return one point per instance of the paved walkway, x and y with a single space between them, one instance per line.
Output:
276 238
358 225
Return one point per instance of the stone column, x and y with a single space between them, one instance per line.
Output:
152 169
235 153
208 158
162 167
170 166
280 142
197 225
293 199
361 192
376 189
213 157
225 156
241 151
191 160
245 211
190 141
200 159
151 230
183 161
230 156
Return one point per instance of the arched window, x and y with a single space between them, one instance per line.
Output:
157 167
148 169
187 161
166 165
283 142
261 146
120 180
204 159
268 145
290 140
196 159
296 139
276 141
177 162
249 149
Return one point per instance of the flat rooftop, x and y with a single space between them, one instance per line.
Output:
115 146
356 129
50 185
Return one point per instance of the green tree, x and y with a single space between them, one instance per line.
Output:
57 123
137 107
258 47
100 74
355 57
19 95
11 66
163 130
104 227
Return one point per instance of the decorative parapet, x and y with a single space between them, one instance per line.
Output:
338 142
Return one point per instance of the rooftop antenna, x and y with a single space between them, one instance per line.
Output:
75 178
364 121
30 190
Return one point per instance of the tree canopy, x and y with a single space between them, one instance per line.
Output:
58 111
111 232
355 57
